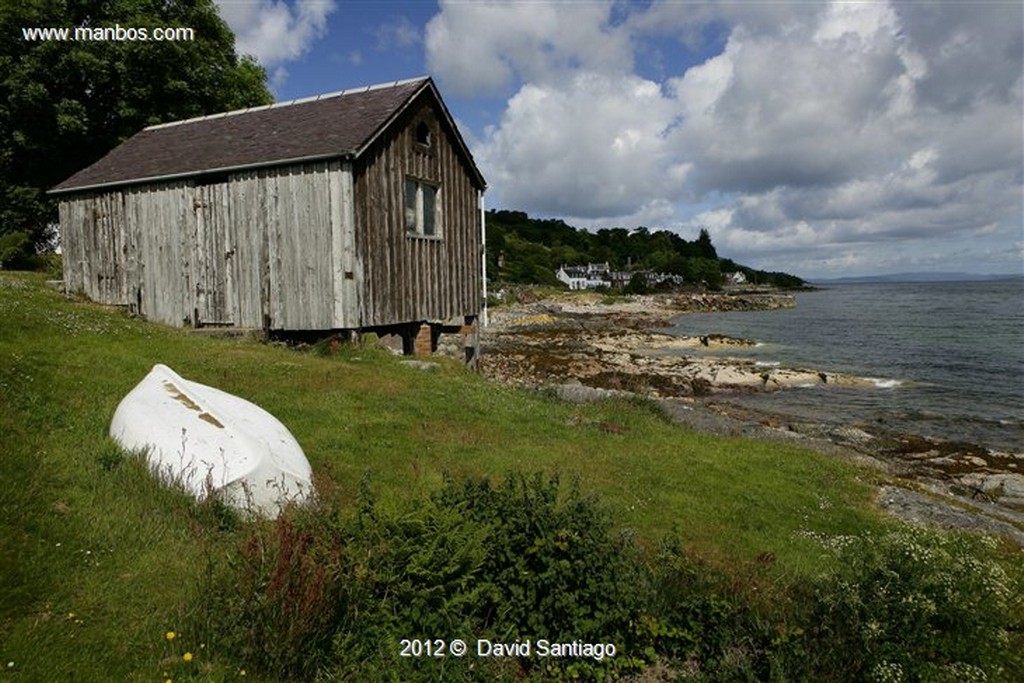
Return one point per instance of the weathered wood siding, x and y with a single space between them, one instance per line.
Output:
270 247
164 220
136 247
94 239
301 284
132 247
213 242
250 206
415 278
291 249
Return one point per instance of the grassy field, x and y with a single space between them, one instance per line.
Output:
98 561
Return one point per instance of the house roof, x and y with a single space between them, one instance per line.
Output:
340 124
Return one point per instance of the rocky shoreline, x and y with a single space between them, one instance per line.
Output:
589 347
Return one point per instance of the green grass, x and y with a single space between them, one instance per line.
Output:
98 560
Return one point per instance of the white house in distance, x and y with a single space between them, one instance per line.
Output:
595 275
591 276
737 278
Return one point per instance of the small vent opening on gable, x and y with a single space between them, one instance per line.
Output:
423 134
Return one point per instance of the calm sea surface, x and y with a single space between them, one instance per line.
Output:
948 358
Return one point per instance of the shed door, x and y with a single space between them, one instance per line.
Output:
213 279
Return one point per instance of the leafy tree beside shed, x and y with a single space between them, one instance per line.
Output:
64 104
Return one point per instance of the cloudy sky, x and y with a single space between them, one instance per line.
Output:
823 139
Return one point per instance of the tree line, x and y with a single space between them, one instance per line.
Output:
63 105
526 250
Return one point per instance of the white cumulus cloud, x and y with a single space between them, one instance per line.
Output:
482 47
593 147
812 134
275 31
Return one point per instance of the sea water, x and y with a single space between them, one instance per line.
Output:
946 358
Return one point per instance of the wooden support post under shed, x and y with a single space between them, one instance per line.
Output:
471 341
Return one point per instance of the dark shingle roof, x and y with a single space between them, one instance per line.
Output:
337 125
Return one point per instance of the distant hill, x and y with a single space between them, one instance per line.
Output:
915 277
521 249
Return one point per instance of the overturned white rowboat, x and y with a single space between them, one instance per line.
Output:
211 442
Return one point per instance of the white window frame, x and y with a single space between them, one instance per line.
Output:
416 224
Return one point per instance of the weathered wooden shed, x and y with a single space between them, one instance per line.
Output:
358 210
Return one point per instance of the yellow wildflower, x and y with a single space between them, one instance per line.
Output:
169 635
187 656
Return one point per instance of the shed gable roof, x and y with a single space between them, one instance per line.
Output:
340 124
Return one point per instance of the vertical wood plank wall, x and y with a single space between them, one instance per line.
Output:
410 278
182 251
300 250
110 258
316 246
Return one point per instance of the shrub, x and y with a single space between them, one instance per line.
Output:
15 249
321 594
692 616
913 605
316 591
553 566
415 576
524 560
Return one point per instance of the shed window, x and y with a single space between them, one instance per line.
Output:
421 208
423 134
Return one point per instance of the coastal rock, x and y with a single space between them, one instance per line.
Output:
853 434
581 337
1005 488
576 392
927 510
708 341
536 319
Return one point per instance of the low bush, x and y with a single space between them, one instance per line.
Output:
699 619
915 605
553 569
14 249
553 566
318 594
314 591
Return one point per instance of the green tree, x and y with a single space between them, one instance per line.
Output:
637 284
64 104
704 247
704 271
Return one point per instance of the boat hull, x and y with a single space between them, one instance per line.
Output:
211 442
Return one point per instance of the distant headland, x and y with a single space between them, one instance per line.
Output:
917 277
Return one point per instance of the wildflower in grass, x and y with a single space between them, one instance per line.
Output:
169 635
187 656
